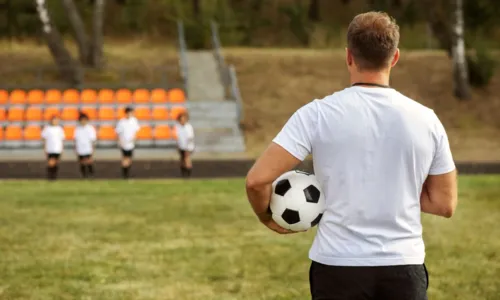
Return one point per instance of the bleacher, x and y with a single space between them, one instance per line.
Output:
23 113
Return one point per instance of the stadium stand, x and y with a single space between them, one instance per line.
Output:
23 113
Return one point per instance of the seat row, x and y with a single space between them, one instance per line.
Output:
17 136
91 96
103 113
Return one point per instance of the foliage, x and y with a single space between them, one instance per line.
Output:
299 25
481 67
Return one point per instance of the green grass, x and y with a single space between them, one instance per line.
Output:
170 240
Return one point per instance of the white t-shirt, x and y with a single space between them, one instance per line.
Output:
54 138
185 137
127 129
85 136
372 151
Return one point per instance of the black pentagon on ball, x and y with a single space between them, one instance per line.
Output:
312 194
316 221
291 216
282 187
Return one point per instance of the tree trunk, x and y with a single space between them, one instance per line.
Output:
79 28
67 66
196 8
96 52
314 14
460 75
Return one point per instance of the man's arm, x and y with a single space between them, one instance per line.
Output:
439 195
289 148
439 192
273 163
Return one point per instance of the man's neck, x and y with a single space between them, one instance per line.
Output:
375 78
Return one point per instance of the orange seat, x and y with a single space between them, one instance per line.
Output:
158 96
16 114
124 96
106 113
176 96
90 111
120 112
34 113
53 97
160 113
1 133
176 111
143 113
4 97
106 133
69 132
162 132
13 133
3 115
32 133
145 133
17 97
69 113
88 96
106 96
50 112
71 96
141 96
36 97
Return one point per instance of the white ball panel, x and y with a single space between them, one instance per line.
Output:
301 226
279 220
278 204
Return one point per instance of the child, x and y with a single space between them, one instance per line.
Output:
53 137
126 130
185 143
85 138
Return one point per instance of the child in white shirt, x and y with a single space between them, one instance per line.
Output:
53 137
85 138
126 129
185 143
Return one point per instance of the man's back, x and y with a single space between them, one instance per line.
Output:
372 150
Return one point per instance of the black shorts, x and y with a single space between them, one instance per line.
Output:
53 155
82 157
127 153
406 282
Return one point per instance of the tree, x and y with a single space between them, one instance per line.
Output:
460 75
90 51
314 11
79 28
96 52
67 66
196 8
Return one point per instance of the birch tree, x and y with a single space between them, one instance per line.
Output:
460 76
67 66
96 51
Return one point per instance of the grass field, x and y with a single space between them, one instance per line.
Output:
170 240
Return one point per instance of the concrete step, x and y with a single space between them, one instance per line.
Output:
204 82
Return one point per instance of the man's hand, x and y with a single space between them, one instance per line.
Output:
267 220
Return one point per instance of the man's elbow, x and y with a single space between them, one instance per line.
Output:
449 210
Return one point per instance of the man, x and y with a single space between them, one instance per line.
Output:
381 159
85 138
53 139
126 129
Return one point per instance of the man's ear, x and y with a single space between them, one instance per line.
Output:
348 58
395 59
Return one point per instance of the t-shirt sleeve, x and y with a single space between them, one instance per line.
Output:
442 162
93 134
61 133
118 128
296 137
44 133
137 126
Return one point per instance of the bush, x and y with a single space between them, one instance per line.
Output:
481 67
197 35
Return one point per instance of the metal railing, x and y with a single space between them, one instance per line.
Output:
183 62
227 73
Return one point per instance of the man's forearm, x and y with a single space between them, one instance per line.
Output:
260 197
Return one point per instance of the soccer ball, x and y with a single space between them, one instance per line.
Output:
297 202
